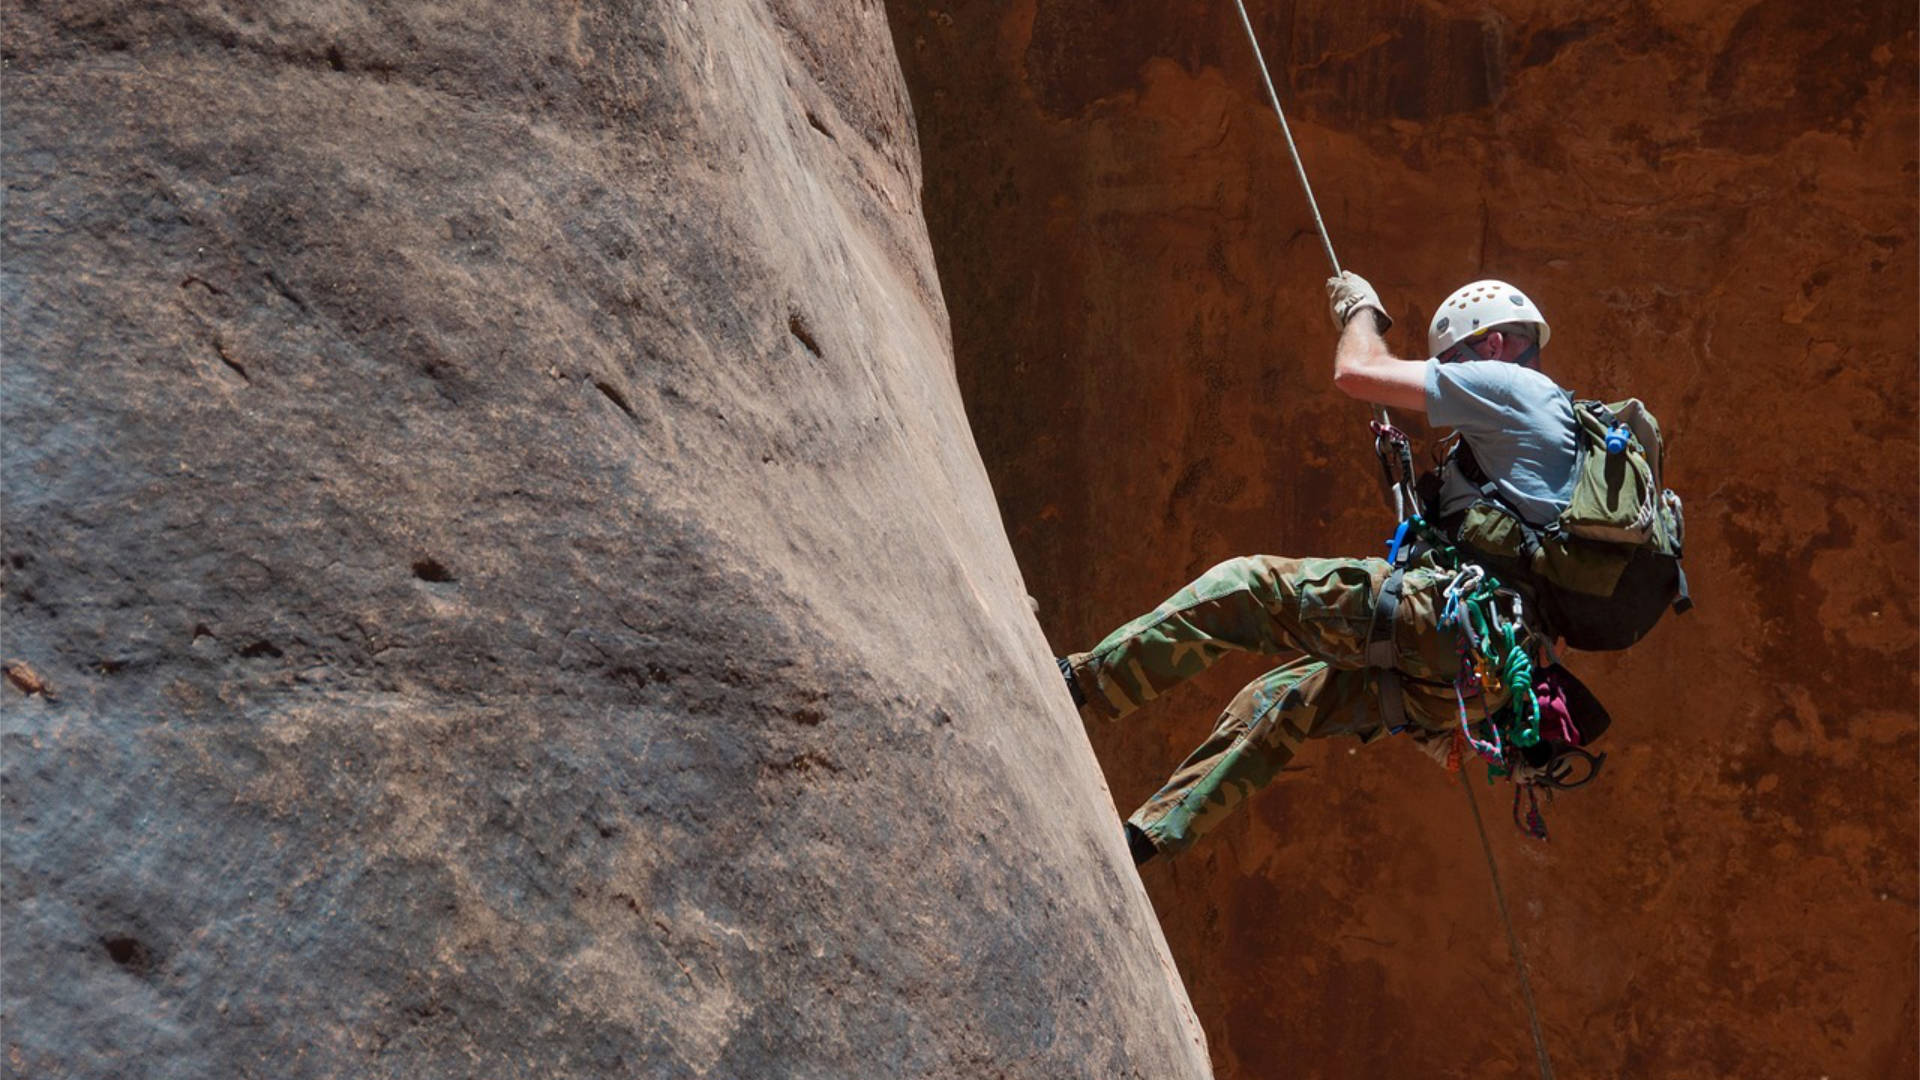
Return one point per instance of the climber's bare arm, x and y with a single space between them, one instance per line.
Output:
1364 368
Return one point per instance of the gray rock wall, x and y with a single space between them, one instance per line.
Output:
497 578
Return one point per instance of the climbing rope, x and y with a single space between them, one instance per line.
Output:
1513 940
1469 607
1513 662
1494 643
1287 130
1299 167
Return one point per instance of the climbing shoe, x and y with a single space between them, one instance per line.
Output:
1073 684
1140 844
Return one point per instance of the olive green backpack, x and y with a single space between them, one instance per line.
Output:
1608 567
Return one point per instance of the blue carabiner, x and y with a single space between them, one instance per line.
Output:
1617 437
1399 537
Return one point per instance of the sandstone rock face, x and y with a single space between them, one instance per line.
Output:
497 578
1714 204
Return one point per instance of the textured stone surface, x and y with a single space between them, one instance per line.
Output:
1715 205
497 581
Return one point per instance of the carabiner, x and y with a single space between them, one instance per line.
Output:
1564 774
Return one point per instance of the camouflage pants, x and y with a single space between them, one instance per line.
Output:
1260 603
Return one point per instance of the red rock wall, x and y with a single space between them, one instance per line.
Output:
1714 203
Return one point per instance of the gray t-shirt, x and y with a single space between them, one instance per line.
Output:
1520 425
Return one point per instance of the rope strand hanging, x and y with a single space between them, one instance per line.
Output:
1287 130
1299 167
1382 421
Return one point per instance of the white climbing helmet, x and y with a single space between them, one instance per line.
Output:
1479 306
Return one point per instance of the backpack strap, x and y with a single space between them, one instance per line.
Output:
1464 485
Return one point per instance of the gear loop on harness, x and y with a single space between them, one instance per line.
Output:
1495 657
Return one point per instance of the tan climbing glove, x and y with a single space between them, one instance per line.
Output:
1349 293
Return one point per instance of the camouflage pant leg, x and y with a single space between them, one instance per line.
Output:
1262 603
1258 733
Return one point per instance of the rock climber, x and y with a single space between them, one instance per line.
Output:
1382 639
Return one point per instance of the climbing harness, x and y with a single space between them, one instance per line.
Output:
1381 652
1388 439
1499 649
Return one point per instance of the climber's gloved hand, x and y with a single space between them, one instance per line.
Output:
1350 293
